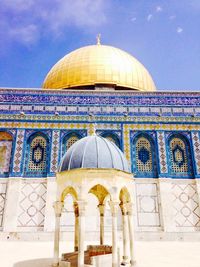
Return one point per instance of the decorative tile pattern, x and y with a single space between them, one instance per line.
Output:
196 149
37 154
5 154
143 155
32 205
2 201
55 150
162 152
186 205
148 210
178 156
126 131
18 151
101 98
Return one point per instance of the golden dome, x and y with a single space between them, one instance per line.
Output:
99 65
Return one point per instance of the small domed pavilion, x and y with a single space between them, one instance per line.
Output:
95 165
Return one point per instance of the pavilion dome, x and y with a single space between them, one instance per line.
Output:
101 65
94 152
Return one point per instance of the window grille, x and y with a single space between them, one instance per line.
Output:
38 155
178 156
71 141
143 155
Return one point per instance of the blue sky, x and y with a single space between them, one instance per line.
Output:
164 35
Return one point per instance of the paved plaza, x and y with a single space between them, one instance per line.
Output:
148 254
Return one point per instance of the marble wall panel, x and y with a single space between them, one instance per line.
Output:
186 205
148 208
32 202
2 201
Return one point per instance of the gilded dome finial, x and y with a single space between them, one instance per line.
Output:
98 39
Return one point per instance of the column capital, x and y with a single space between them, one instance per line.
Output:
58 206
101 209
124 208
114 206
129 207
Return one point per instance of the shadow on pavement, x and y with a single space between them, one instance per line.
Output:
47 262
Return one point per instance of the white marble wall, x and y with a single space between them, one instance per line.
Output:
32 204
161 205
186 205
147 204
2 201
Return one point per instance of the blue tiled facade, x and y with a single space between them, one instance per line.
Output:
158 131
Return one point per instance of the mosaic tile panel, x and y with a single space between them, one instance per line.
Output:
143 155
196 149
162 152
126 131
148 209
101 98
5 154
55 150
31 212
186 205
18 151
178 156
2 201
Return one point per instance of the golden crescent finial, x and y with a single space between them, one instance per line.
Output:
98 39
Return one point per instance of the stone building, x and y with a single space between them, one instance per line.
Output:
157 131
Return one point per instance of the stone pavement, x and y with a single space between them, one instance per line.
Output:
148 254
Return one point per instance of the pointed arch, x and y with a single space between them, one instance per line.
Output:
124 195
100 192
112 137
68 140
36 158
144 159
69 191
179 156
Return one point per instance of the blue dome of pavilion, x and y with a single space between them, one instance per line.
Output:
94 152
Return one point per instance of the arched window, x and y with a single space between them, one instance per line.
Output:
144 163
37 156
112 137
68 141
5 152
179 156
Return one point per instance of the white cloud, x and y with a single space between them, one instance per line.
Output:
18 5
159 9
179 30
27 20
133 19
172 17
26 35
149 17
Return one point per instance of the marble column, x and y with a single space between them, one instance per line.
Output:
76 227
125 257
114 211
81 232
101 212
131 233
58 206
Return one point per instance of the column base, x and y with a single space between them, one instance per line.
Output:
125 261
133 263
